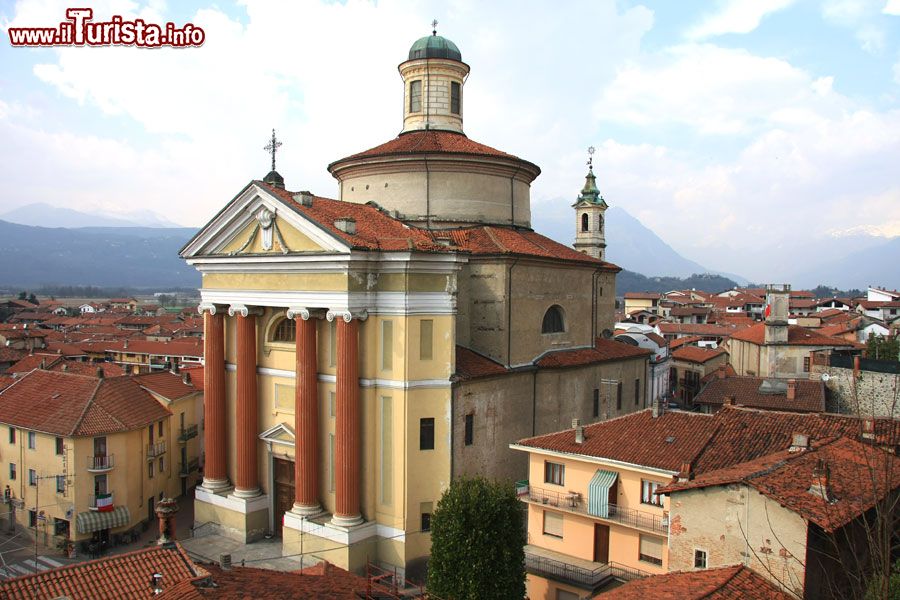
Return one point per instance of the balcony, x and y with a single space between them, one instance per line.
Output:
559 567
577 503
156 449
187 433
92 501
191 466
101 464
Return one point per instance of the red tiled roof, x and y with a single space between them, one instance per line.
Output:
696 354
702 329
616 439
726 368
167 384
110 369
722 583
860 474
472 365
6 381
376 230
196 373
709 442
603 351
123 576
688 311
177 347
78 405
33 361
688 339
809 395
63 348
12 355
797 336
641 296
430 141
660 340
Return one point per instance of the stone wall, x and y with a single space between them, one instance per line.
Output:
870 394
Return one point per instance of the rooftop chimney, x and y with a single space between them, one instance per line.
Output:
868 428
579 431
100 373
186 378
728 401
721 372
304 198
166 509
346 224
792 389
156 583
821 482
799 442
684 474
655 408
225 562
125 345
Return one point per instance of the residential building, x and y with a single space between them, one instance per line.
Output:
802 517
690 364
338 333
85 457
792 395
878 294
641 301
735 581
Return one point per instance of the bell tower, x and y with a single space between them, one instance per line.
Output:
590 221
433 80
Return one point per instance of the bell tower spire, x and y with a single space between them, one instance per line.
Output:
590 221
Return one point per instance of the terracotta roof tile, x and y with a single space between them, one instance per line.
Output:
701 329
428 142
696 354
472 365
110 369
859 475
809 396
12 355
78 405
506 240
797 336
688 339
722 583
603 351
123 576
167 384
33 361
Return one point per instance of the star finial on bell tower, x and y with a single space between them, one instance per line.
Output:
272 147
590 160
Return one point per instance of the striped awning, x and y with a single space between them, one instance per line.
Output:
598 492
90 521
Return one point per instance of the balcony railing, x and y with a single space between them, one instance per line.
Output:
92 501
568 573
577 503
100 463
189 467
187 433
156 449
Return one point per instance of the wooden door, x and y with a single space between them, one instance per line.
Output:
283 471
601 543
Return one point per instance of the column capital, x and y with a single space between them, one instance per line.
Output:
209 307
298 311
347 315
244 310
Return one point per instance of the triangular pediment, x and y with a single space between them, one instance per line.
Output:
256 222
280 434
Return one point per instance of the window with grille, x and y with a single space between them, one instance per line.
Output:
285 331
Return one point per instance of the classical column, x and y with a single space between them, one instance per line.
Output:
246 481
306 416
346 446
215 470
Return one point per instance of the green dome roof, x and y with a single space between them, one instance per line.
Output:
434 46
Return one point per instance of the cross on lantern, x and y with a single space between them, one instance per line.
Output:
272 147
590 162
434 25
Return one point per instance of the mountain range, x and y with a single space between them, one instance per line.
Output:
41 214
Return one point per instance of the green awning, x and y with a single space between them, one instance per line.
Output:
598 492
90 521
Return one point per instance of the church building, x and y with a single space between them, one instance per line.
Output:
362 352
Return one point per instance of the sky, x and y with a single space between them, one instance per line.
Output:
734 129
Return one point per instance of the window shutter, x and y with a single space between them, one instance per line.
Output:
553 523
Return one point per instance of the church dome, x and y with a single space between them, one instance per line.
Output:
434 46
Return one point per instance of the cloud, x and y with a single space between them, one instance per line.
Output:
736 16
892 7
863 17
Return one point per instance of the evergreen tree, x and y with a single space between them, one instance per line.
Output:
883 348
477 542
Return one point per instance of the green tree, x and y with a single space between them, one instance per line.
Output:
881 589
477 542
883 348
22 295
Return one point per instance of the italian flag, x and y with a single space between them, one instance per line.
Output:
104 503
768 311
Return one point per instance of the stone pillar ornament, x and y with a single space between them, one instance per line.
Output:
347 443
247 413
306 416
215 469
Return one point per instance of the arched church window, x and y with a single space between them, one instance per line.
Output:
415 96
285 331
585 222
455 97
553 320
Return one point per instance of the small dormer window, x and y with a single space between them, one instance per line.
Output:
455 97
415 96
553 320
585 222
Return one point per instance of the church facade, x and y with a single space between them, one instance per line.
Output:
361 352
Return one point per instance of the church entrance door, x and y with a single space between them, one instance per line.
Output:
283 471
